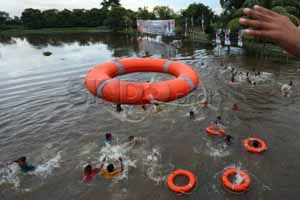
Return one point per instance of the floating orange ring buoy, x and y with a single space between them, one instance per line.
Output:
101 83
248 145
241 187
181 189
215 130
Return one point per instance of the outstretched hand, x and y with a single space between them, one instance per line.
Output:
267 24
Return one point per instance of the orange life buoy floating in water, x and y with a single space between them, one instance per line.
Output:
239 187
181 189
248 144
215 130
100 81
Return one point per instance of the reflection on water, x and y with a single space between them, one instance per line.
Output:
47 114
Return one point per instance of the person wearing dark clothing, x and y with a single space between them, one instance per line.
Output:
228 139
192 115
119 108
108 138
24 166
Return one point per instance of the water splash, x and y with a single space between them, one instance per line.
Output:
152 162
214 150
87 149
46 169
9 175
112 153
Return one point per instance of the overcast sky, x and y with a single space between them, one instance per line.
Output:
15 7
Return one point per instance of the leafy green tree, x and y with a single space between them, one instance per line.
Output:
116 18
145 14
233 9
108 4
79 17
164 12
95 17
198 12
50 18
65 19
32 18
4 17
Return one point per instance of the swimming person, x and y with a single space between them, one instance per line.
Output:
157 107
144 107
219 122
287 89
24 166
228 139
235 107
204 104
192 114
110 171
232 78
248 80
132 140
89 173
258 73
267 24
108 139
119 108
222 63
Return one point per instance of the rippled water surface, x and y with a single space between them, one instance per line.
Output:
47 115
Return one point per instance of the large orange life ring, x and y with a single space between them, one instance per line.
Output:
241 187
248 145
215 130
100 81
181 189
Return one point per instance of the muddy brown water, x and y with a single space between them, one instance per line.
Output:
47 115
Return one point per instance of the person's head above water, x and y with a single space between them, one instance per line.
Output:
110 168
131 138
232 79
87 169
108 136
22 159
291 83
119 108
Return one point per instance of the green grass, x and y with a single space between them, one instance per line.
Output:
22 31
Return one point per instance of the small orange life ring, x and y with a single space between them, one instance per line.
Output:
241 187
101 82
181 189
215 130
248 145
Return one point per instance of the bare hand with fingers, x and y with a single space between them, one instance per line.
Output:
267 24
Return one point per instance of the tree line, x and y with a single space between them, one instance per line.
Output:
110 14
232 10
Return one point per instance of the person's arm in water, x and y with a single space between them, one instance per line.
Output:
98 169
267 24
122 165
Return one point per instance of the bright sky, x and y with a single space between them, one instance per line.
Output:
15 7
